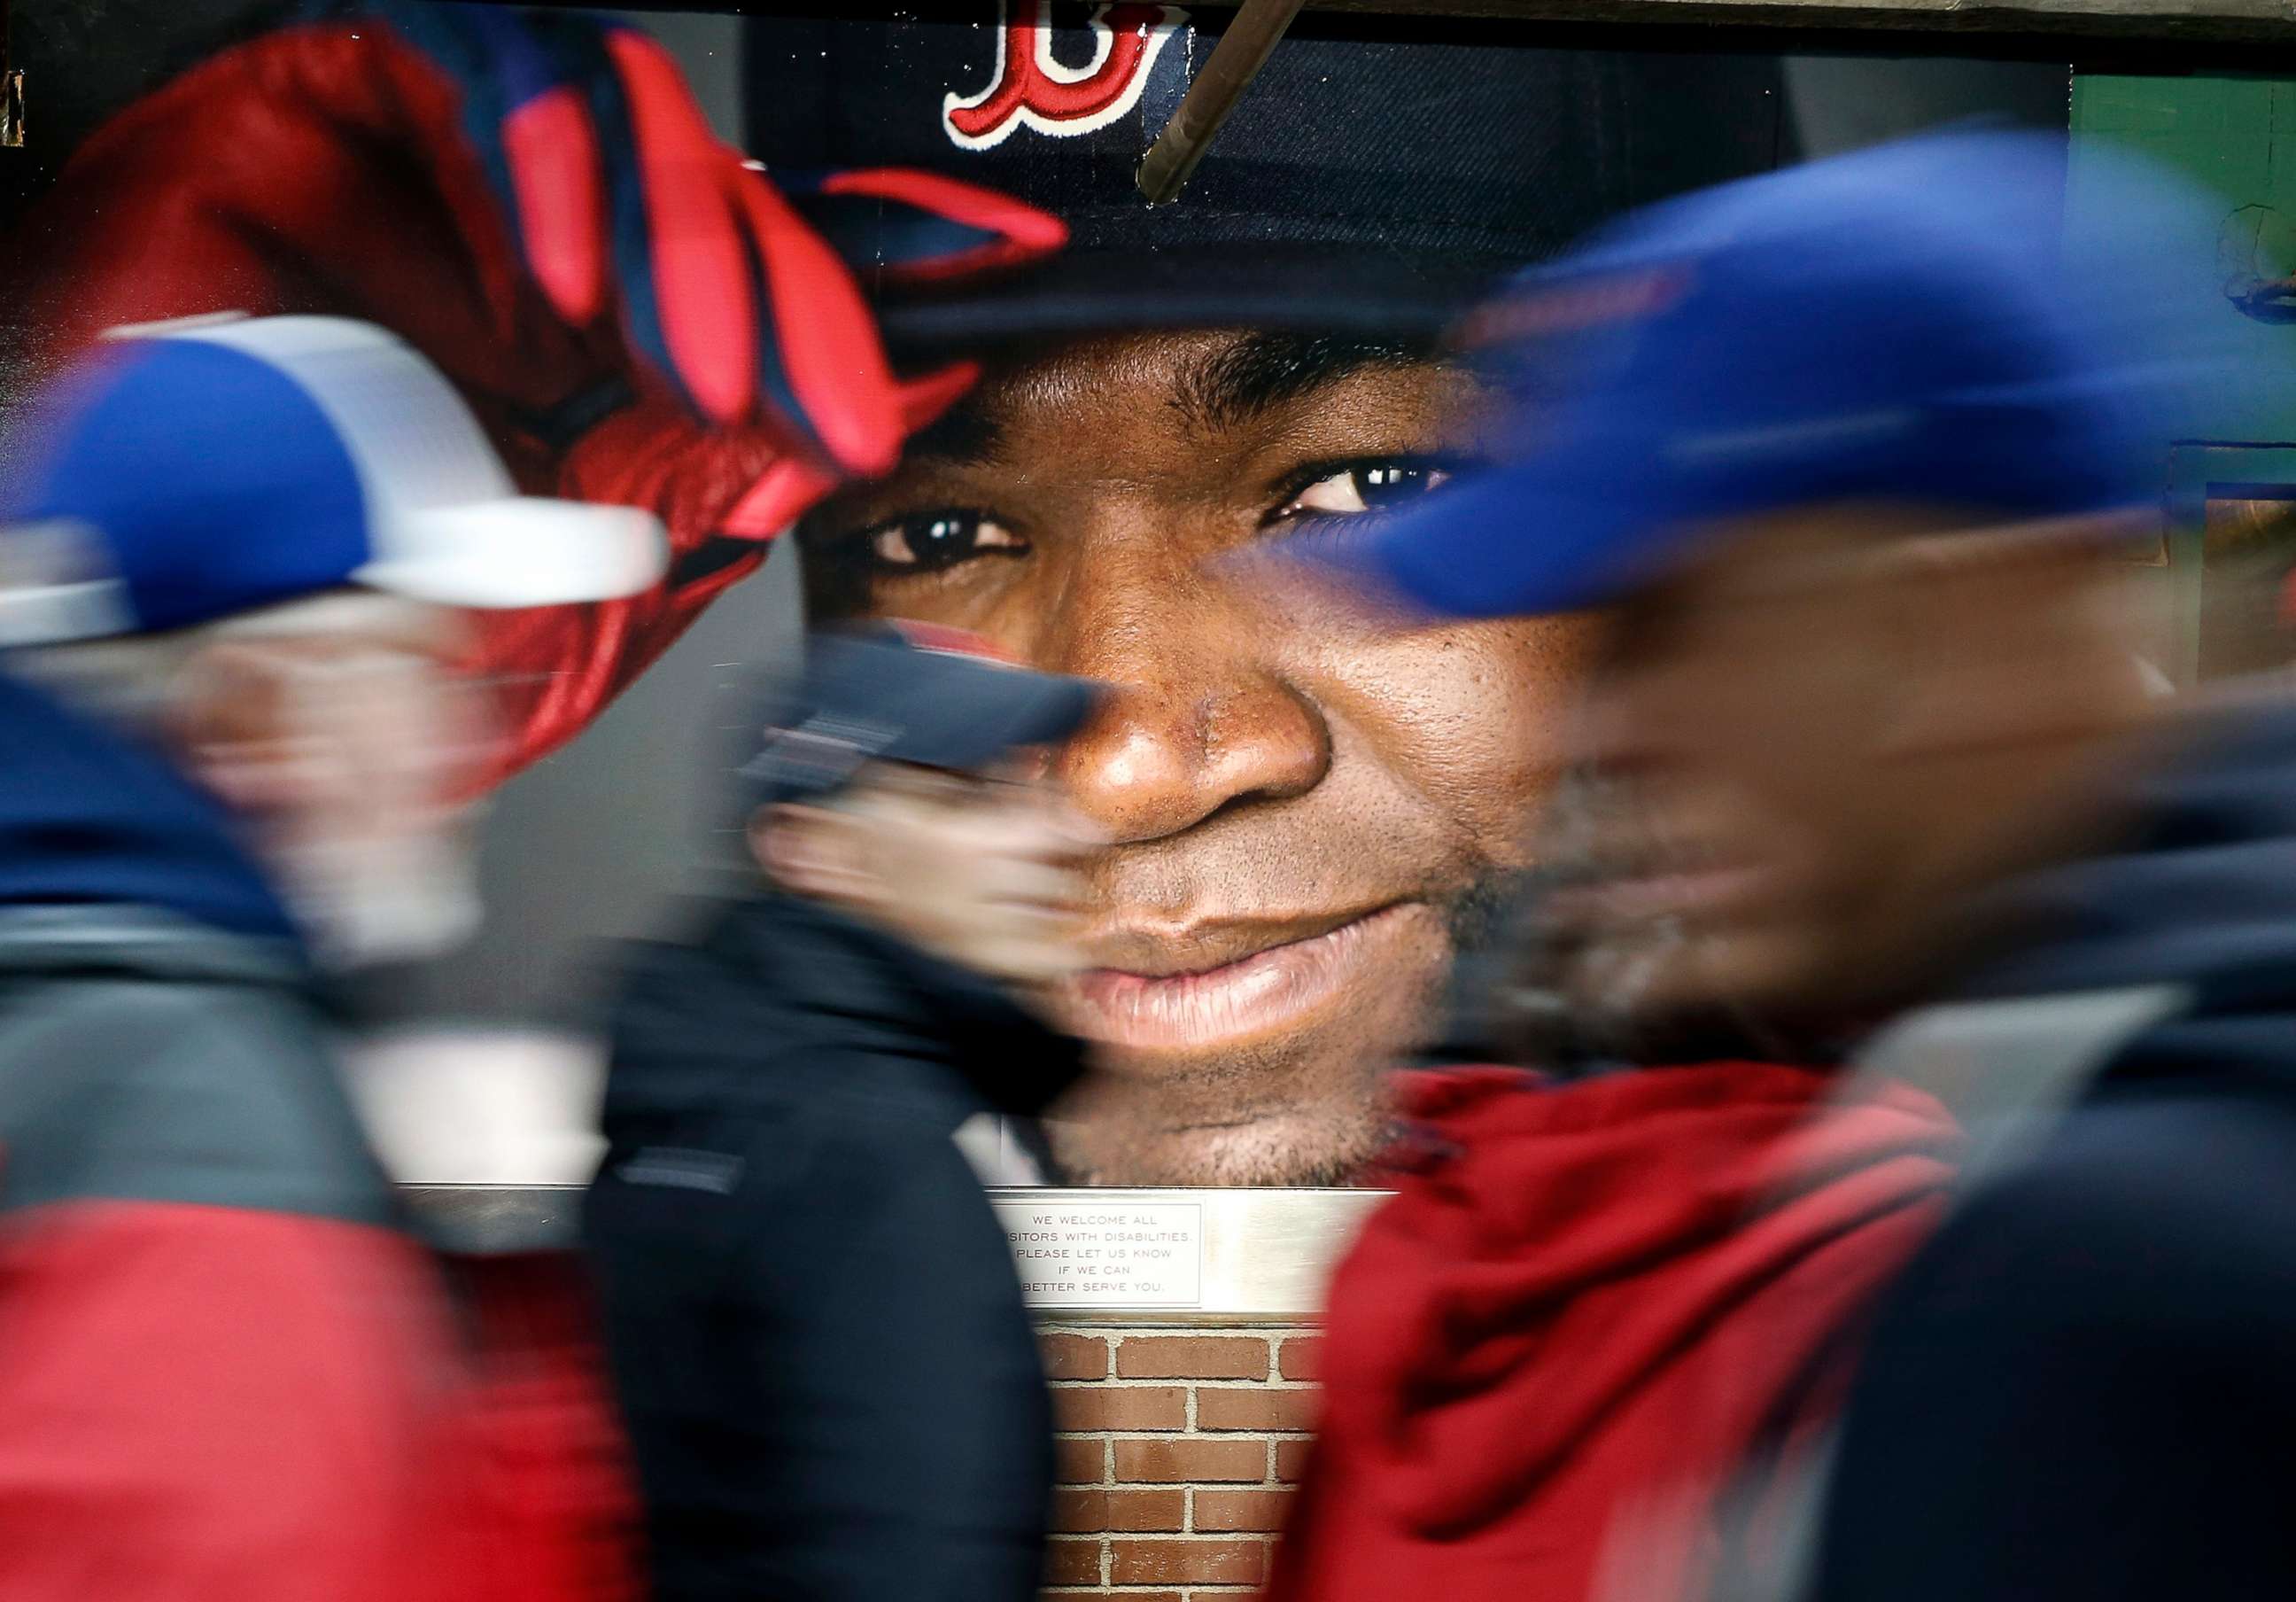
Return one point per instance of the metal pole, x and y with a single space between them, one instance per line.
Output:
1241 51
12 90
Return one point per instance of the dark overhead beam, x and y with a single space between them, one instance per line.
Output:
2262 20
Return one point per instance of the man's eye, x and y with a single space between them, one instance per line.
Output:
931 541
1364 487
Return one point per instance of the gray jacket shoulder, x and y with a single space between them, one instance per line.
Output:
209 1088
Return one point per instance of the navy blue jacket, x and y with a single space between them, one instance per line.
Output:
2085 1387
830 1383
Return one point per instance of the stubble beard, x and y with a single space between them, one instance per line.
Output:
1121 1131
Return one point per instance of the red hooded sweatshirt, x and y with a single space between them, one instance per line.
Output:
1549 1355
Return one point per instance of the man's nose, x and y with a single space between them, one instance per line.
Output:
1201 716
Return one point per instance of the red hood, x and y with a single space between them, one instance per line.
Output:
1614 1281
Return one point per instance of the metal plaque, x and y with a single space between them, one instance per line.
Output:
1191 1256
1074 1249
1256 1255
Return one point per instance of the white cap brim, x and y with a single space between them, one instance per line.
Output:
519 551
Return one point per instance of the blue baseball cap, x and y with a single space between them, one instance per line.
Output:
1903 323
905 692
194 471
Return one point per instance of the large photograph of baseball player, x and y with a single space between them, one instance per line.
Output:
872 297
1310 815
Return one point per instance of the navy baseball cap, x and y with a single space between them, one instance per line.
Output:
194 471
905 692
1903 323
1376 177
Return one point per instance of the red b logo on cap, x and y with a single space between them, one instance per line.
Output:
1030 89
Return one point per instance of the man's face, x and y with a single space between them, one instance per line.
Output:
1304 802
980 869
1804 748
1718 838
346 733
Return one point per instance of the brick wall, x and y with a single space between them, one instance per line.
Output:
1176 1450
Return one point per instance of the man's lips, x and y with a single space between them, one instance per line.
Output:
1213 983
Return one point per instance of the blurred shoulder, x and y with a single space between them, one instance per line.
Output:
2157 1214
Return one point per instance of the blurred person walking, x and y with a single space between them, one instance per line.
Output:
831 1381
232 752
1621 1253
1854 455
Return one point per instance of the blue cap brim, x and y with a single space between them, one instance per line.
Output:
980 711
1513 542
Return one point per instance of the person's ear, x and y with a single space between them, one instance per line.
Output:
814 852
